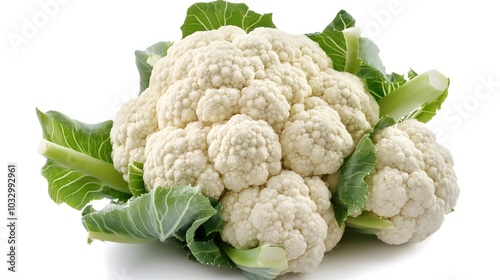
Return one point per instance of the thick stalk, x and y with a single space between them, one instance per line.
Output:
352 61
369 223
264 262
101 170
409 97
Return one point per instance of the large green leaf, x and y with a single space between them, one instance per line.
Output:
212 15
89 139
177 212
373 70
352 190
203 241
79 167
76 188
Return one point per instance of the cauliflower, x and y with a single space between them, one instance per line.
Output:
135 121
242 116
346 93
413 183
212 76
256 148
288 211
245 151
314 140
182 158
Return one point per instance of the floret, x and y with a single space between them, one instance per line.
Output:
287 212
413 184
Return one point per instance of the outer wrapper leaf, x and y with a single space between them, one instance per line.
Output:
89 139
69 185
373 71
176 212
212 15
352 190
75 188
203 241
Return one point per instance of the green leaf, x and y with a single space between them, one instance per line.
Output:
369 53
350 52
79 167
382 123
342 20
334 45
429 109
202 239
380 84
160 214
373 71
352 190
212 15
146 59
340 41
89 139
415 96
163 213
412 74
135 179
75 188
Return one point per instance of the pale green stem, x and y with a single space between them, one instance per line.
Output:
101 170
409 97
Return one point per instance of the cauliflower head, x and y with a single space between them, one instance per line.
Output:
254 120
266 75
413 183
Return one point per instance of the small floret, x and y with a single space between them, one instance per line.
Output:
413 184
314 140
247 152
283 212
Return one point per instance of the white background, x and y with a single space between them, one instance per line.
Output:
77 57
